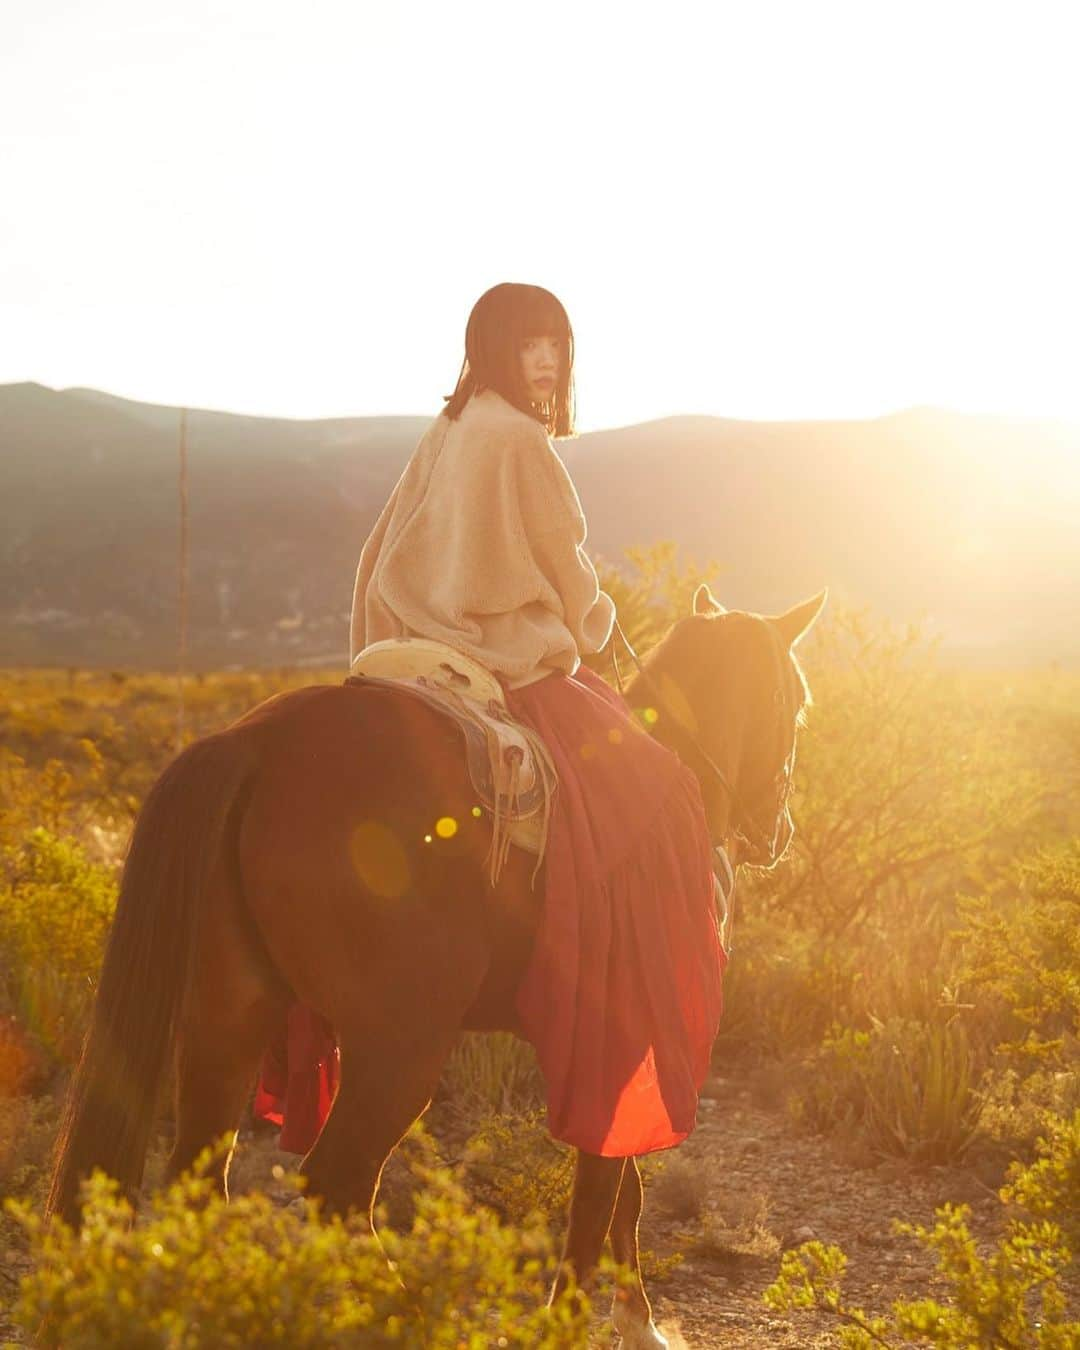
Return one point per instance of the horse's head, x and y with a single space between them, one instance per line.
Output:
729 696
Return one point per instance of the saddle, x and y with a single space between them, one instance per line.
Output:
509 765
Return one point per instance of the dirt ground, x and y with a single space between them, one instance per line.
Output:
768 1188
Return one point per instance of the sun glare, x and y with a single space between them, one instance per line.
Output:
787 234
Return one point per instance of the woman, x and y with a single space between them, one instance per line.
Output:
480 546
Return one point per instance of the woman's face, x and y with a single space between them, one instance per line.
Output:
541 359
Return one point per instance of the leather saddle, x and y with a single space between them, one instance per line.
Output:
510 768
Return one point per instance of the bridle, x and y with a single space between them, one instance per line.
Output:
744 825
778 789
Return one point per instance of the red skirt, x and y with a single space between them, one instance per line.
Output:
622 998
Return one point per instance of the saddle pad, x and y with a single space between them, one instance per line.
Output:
451 674
403 658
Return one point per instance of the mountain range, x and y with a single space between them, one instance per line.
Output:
966 523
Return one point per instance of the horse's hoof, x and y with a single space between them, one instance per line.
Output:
637 1335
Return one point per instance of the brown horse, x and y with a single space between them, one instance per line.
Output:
282 859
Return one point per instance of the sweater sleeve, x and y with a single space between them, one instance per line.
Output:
365 570
588 612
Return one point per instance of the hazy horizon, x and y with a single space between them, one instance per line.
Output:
966 524
910 409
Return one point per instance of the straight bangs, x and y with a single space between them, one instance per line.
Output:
540 315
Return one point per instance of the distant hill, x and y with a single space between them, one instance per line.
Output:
968 522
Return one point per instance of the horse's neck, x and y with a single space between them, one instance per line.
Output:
679 724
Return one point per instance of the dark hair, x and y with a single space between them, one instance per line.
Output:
500 321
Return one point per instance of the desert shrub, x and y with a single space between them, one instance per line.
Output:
1024 949
1017 1107
784 986
679 1186
47 795
129 721
492 1072
830 1093
1050 1186
915 785
908 1088
787 985
735 1230
726 1223
512 1164
1014 1299
27 1129
195 1271
55 909
909 784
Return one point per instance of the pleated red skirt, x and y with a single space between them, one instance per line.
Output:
622 998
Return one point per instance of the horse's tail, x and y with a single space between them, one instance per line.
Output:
147 968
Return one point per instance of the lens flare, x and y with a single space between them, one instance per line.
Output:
379 859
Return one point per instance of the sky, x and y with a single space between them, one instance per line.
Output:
757 210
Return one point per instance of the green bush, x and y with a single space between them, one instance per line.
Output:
908 1088
914 784
1013 1299
785 987
55 910
492 1072
1018 1107
1050 1186
512 1164
910 783
1024 948
27 1129
194 1271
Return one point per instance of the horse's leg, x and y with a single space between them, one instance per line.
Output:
388 1078
235 1002
216 1063
631 1312
596 1188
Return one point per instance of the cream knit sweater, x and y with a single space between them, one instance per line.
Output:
480 546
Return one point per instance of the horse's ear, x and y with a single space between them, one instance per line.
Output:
796 622
705 602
